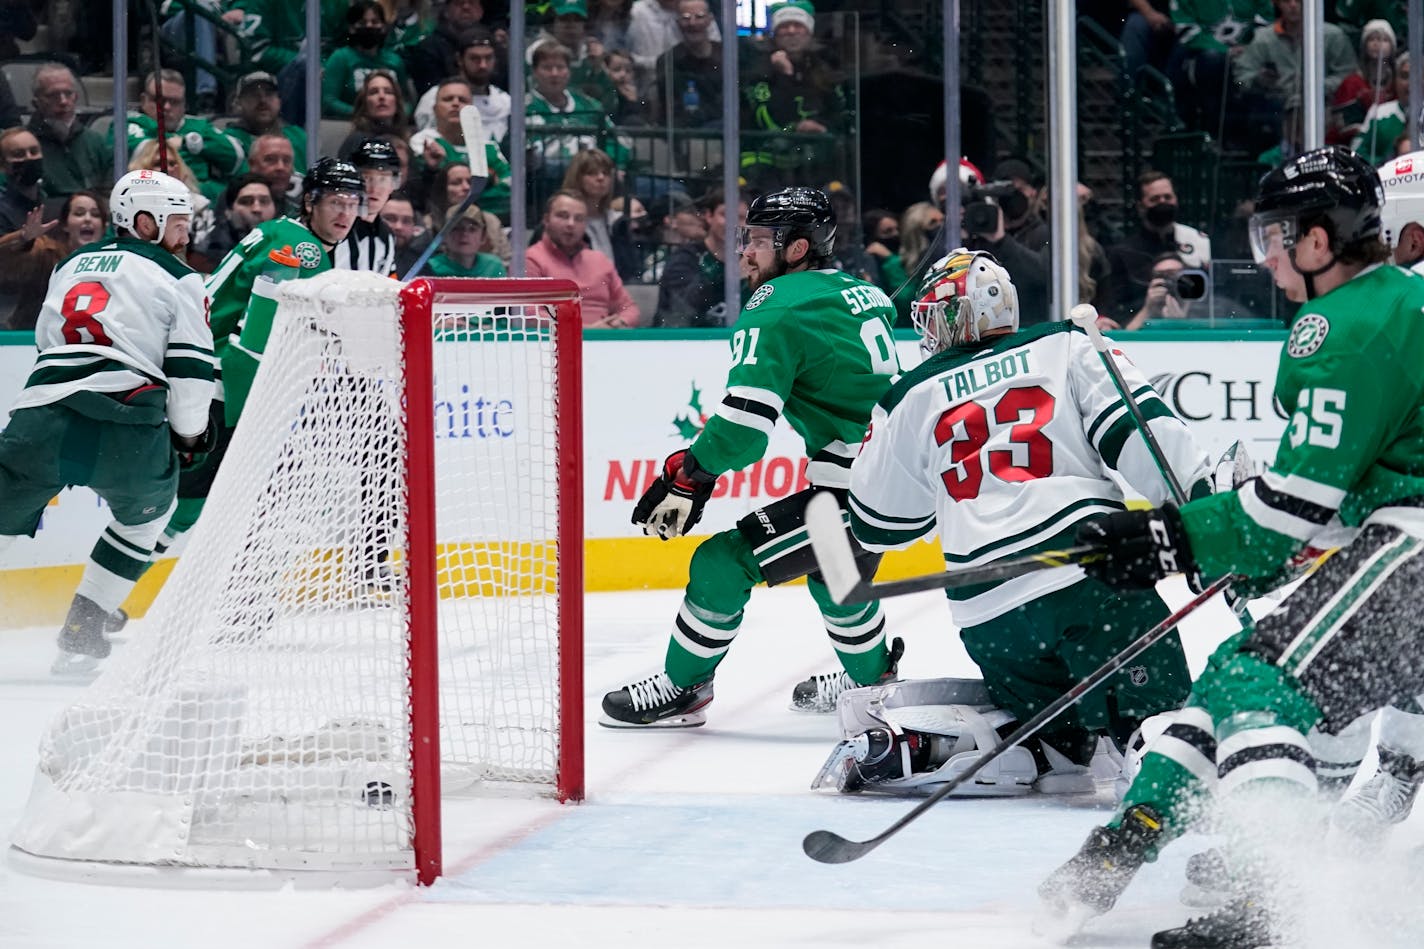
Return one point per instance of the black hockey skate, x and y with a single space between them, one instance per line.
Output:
1090 883
819 693
655 702
83 629
1241 924
82 642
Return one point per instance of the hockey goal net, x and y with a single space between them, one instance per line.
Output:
384 589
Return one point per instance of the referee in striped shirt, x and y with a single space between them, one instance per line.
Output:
371 245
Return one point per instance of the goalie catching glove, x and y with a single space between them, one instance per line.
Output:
1139 547
674 503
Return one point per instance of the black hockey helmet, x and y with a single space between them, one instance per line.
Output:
332 175
795 213
376 153
1331 183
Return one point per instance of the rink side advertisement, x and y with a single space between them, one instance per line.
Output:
647 394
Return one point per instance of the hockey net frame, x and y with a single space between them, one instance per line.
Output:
98 768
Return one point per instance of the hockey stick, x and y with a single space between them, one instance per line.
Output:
1085 315
158 87
825 524
826 846
473 128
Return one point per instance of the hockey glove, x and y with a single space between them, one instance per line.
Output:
193 450
674 502
1139 547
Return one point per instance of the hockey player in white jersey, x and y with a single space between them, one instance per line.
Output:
1002 441
118 397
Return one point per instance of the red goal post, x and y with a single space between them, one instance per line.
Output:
419 302
381 603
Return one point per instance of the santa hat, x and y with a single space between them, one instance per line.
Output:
794 11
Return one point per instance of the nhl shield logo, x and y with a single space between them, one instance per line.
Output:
1137 675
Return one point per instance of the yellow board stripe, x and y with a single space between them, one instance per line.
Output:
39 596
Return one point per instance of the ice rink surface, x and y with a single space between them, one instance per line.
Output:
689 837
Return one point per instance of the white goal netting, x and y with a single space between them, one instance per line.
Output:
260 716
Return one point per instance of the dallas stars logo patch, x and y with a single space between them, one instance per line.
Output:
1307 335
309 254
760 297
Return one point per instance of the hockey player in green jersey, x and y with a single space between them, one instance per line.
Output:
243 303
1348 640
1003 441
816 346
117 400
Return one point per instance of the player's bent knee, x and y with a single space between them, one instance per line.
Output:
1246 681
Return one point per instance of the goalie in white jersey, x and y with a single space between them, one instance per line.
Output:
1003 441
118 397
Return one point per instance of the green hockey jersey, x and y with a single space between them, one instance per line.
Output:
817 347
243 302
1349 374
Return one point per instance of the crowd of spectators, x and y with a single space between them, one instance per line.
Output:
1235 69
603 79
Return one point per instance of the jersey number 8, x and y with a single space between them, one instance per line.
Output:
966 429
82 304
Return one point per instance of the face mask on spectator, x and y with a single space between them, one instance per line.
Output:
366 36
1161 215
27 173
892 244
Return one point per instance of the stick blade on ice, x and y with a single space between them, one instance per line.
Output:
825 523
824 846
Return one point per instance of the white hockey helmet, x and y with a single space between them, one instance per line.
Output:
160 195
964 295
1403 180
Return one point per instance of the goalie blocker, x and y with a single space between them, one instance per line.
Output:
910 737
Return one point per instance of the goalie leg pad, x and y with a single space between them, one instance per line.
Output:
917 747
862 709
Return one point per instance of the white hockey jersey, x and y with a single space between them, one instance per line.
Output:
121 314
1005 448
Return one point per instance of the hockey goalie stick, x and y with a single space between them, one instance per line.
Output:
825 524
473 128
826 846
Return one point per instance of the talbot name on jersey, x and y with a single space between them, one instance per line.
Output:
104 263
982 375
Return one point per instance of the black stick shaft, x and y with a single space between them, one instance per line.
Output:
477 186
